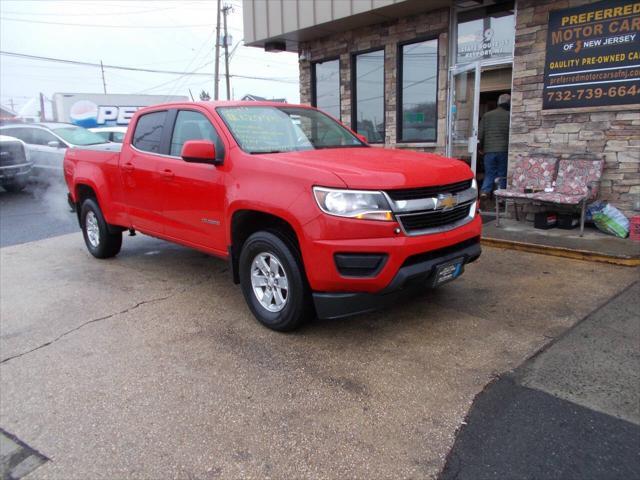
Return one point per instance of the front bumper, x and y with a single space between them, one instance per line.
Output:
327 236
411 278
10 173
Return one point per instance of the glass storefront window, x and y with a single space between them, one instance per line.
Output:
418 116
485 33
368 91
326 87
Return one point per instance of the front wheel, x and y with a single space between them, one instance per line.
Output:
100 242
273 281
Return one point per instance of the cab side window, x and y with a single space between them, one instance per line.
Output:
42 137
192 125
148 133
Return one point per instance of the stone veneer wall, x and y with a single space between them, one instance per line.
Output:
388 35
608 133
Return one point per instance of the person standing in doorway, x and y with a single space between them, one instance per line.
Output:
494 141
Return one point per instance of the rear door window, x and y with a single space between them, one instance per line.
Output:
192 125
21 133
148 133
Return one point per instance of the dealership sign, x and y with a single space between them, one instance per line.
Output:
593 55
88 114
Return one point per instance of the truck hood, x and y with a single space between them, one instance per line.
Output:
381 168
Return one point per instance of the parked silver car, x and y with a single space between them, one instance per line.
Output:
111 134
47 143
15 166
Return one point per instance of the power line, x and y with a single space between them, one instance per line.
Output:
94 25
136 69
91 64
54 14
269 79
193 61
174 79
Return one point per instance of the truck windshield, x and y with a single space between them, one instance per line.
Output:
78 136
266 129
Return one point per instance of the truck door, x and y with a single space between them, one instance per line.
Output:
139 168
193 192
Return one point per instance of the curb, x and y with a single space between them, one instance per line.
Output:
561 252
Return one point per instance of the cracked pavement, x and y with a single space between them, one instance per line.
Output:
150 365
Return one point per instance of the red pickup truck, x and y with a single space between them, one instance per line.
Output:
312 219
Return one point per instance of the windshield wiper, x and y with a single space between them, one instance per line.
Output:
320 147
257 152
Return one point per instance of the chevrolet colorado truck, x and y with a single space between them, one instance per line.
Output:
311 218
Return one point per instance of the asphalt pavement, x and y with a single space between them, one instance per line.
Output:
570 412
39 211
149 365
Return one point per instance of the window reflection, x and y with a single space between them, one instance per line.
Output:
486 33
419 92
326 94
369 95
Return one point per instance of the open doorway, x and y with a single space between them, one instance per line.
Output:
494 81
474 90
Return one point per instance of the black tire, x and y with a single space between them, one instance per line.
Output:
15 187
297 307
108 244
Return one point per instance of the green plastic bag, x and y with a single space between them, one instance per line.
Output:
612 221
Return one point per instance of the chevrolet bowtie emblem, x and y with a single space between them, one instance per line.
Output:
447 201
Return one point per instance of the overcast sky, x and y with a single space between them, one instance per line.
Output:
156 34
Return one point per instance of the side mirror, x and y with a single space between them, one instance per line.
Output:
362 138
54 144
199 151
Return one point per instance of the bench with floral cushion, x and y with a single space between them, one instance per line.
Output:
576 183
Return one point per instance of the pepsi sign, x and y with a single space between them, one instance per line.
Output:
86 113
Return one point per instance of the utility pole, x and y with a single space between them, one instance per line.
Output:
11 105
104 83
42 112
217 62
225 11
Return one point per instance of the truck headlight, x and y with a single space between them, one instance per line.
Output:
360 204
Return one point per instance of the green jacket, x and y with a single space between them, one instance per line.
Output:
494 131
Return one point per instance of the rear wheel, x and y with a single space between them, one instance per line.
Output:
273 282
100 242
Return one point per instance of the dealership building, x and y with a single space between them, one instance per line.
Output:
420 74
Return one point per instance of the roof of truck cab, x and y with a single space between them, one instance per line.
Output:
224 103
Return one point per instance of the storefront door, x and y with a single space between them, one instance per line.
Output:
464 100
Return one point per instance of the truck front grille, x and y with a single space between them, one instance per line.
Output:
425 210
11 154
416 222
423 192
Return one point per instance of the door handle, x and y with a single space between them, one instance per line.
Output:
128 167
166 173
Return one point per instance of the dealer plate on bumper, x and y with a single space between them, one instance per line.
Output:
448 271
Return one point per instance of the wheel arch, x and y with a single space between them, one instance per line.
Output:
245 222
84 190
